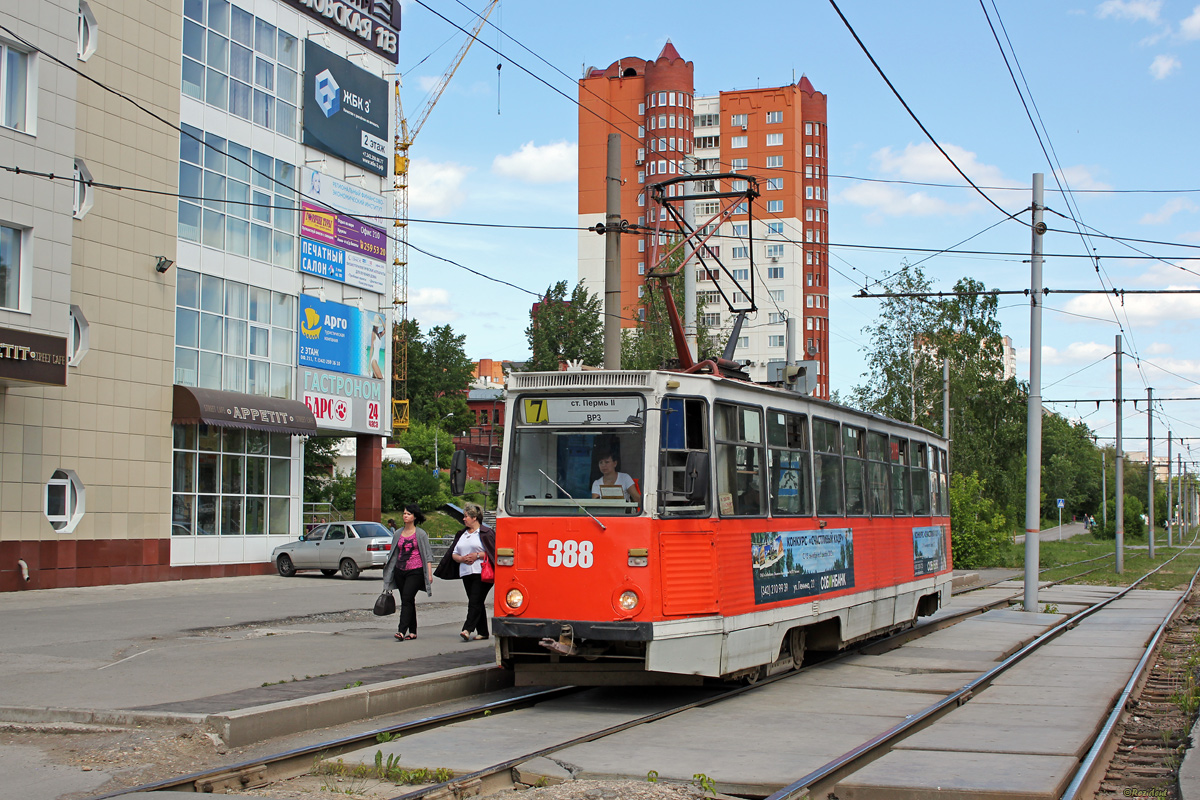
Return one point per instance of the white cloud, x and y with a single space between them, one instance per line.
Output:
1163 66
1189 28
923 162
1158 274
1157 349
431 306
426 82
434 188
892 202
1136 10
1076 353
1168 210
1142 309
556 162
1080 177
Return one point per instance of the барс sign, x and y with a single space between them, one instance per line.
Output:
345 109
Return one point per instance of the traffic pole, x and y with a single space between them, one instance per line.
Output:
1150 465
1170 499
612 255
1033 447
1119 490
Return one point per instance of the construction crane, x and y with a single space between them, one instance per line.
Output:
405 134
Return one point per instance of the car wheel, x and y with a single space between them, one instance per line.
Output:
350 570
328 573
285 566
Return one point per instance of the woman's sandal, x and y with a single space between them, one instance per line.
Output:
410 636
466 637
400 637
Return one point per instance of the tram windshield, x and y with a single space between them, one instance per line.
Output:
572 455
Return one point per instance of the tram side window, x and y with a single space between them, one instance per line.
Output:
739 447
943 483
788 464
920 479
877 474
854 451
684 431
827 459
901 495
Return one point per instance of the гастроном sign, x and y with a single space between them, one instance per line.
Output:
345 109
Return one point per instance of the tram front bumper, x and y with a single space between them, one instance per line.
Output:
538 629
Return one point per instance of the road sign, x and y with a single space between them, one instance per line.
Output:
1062 503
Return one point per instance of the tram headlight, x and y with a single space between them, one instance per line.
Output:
628 600
515 598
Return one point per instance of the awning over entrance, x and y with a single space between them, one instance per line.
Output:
236 410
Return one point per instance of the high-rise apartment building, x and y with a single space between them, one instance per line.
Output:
776 134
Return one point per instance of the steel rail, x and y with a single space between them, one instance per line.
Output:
285 762
841 765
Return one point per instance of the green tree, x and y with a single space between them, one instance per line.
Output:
564 329
978 530
651 344
320 455
439 372
419 439
414 483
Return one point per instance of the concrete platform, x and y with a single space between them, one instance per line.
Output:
1022 736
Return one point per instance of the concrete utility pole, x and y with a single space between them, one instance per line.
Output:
1150 465
612 255
946 405
690 313
1119 490
1033 448
1179 495
1170 502
791 329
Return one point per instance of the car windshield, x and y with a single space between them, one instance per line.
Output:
370 530
569 452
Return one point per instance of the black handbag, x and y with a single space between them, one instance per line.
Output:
385 604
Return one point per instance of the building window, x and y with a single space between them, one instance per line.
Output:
63 500
232 336
736 164
775 227
16 105
707 120
808 193
83 189
808 301
740 252
808 150
776 317
743 341
738 186
248 198
742 274
87 33
707 141
738 141
13 280
741 229
712 320
231 482
774 139
774 116
774 272
641 291
641 268
642 109
239 63
774 162
739 120
774 183
776 295
641 245
775 206
775 341
740 208
774 251
78 337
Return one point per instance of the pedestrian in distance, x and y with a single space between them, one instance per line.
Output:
392 525
471 547
409 568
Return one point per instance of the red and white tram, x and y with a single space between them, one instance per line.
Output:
765 522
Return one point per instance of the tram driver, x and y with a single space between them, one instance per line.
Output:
610 478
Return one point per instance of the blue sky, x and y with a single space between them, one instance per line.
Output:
1115 83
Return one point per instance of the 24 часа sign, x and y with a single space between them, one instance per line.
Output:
345 109
795 564
340 338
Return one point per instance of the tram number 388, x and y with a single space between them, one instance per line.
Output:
569 553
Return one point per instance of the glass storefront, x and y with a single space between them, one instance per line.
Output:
230 482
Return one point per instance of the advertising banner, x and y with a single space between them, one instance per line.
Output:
344 402
374 24
339 230
929 550
795 564
344 197
327 261
345 109
32 358
340 338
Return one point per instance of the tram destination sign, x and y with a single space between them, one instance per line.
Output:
929 550
792 564
588 410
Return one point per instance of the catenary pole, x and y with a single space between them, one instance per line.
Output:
1170 498
1033 448
946 405
1150 466
612 255
1119 489
1104 487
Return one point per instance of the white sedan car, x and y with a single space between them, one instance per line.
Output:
346 547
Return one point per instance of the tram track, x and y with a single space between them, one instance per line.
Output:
279 767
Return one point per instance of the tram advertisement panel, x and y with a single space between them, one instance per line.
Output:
929 550
793 564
